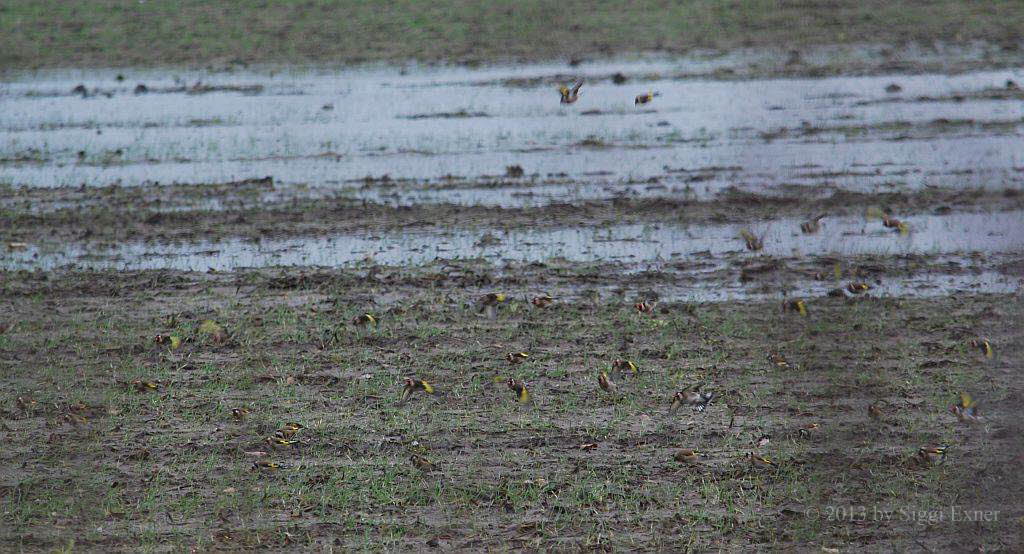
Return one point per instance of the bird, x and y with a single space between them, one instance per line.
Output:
795 305
492 299
753 242
983 345
239 413
542 301
812 226
645 98
928 455
516 357
643 307
570 95
760 461
691 396
687 456
778 360
625 365
806 430
265 465
144 386
519 387
413 385
364 320
288 431
857 288
966 410
421 463
489 303
874 412
278 442
606 383
895 224
76 419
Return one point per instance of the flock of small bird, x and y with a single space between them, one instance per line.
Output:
571 95
966 410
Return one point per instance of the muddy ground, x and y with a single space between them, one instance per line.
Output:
173 253
171 468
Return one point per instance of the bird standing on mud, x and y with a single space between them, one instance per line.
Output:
542 301
687 456
516 357
489 303
982 345
623 366
760 461
570 95
519 388
606 383
796 305
645 98
928 455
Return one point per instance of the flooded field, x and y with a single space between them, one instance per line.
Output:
492 152
187 257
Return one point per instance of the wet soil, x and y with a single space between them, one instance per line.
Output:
562 470
173 253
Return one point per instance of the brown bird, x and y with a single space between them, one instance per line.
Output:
806 430
644 307
278 442
519 387
288 431
778 360
542 301
691 396
760 461
239 413
144 386
606 383
795 305
753 242
895 224
687 456
645 98
364 320
858 288
875 412
625 365
812 226
489 303
421 463
570 95
983 345
515 358
413 385
928 455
